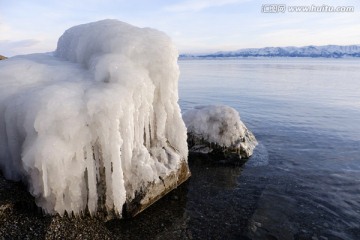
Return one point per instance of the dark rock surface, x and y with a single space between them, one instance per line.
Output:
242 150
20 218
208 206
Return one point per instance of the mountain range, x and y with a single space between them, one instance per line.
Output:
328 51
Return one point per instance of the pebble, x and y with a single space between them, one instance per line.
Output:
257 224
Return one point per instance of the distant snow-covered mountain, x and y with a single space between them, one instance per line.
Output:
328 51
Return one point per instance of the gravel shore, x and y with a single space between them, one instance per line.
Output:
20 218
210 205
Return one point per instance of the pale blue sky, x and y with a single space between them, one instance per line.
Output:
28 26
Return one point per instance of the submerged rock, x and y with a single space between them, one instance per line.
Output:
218 130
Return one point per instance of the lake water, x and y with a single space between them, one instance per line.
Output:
303 181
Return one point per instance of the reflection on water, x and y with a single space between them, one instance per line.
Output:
166 219
218 205
260 156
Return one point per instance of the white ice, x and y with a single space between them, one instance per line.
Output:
218 124
105 100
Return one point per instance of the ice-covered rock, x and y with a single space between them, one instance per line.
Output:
96 124
218 130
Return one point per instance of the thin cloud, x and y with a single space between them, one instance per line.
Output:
199 5
9 48
18 44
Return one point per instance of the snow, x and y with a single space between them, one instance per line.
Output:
100 110
215 123
327 51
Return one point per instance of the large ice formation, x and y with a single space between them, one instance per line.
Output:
95 123
218 130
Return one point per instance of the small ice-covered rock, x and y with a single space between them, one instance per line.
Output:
95 124
218 130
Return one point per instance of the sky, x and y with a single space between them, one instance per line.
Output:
196 26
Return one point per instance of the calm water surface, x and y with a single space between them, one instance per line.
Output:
304 180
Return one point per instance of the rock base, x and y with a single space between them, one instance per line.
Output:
154 191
